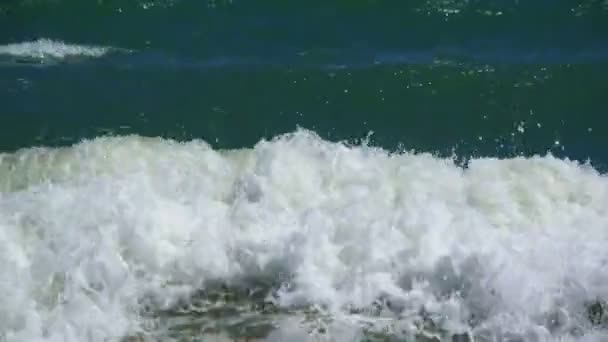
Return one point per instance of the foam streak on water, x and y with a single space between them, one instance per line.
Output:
47 48
393 243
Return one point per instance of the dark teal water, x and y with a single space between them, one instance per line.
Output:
438 76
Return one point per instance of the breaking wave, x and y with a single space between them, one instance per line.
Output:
133 236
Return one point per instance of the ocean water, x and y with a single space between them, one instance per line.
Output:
197 170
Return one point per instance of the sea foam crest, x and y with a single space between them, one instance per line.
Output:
95 237
47 48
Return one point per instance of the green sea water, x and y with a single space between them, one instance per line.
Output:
478 77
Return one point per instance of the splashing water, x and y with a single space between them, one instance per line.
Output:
297 239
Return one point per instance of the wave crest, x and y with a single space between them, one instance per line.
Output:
100 238
47 48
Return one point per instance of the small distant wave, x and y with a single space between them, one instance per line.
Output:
53 49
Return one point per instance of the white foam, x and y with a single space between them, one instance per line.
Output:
87 232
47 48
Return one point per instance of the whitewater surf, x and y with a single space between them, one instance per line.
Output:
297 239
